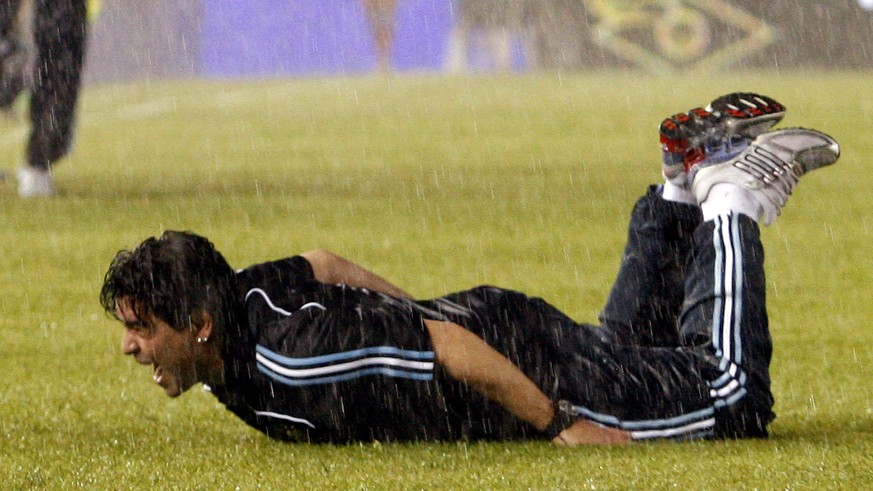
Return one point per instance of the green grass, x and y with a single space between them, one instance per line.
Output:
439 184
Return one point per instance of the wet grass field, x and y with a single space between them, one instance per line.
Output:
438 184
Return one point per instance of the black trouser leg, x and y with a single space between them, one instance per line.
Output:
8 11
725 313
715 381
13 54
646 298
60 35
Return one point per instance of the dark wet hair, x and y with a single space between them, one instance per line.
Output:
176 278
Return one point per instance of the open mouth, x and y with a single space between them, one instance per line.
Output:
158 376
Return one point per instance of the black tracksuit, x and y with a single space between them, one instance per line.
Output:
682 351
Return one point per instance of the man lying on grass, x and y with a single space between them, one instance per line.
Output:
316 348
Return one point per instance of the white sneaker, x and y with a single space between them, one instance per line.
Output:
714 134
34 182
770 167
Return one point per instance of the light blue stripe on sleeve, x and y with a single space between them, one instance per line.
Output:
345 355
390 372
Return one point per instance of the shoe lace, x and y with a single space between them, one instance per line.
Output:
771 171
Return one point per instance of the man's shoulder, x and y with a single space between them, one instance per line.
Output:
272 290
284 271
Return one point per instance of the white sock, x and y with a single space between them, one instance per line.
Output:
725 198
672 192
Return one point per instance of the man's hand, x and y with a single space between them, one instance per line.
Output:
585 432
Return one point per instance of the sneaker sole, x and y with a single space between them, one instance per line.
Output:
747 114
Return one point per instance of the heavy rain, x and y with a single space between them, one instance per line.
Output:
436 244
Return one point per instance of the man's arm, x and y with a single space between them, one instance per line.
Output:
332 269
466 357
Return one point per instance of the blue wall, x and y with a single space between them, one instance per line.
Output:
269 37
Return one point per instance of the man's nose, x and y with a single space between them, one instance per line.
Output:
129 345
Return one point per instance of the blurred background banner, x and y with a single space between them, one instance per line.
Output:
267 37
239 38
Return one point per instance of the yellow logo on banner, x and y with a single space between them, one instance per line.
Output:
94 7
678 32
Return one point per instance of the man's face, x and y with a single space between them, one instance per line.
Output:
151 341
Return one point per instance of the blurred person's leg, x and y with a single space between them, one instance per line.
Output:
16 48
59 34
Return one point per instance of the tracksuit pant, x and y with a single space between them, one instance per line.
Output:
683 348
59 35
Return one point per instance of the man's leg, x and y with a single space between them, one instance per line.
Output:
13 51
644 303
725 298
60 39
645 300
8 11
717 382
643 391
725 315
60 35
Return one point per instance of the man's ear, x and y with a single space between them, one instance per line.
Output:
203 328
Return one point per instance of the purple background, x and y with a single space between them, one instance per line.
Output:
269 37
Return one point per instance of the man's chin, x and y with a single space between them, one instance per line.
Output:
172 393
172 390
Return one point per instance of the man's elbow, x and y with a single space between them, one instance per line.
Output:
323 264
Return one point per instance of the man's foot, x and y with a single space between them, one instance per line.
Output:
34 182
716 133
769 168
